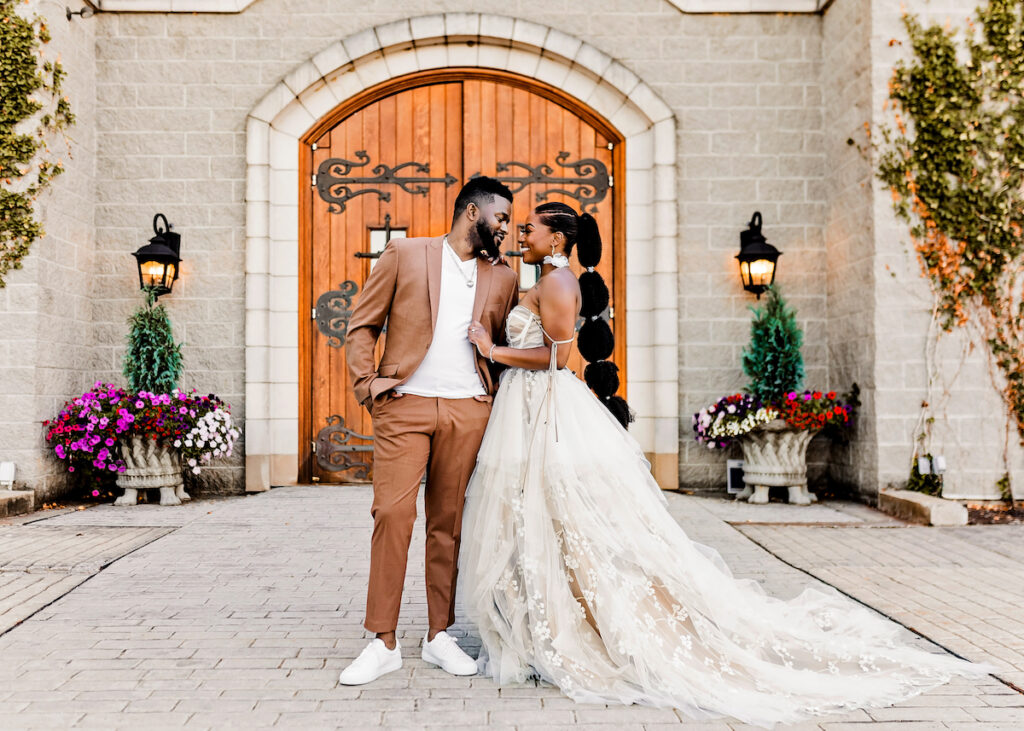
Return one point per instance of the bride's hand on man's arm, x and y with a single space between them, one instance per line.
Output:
479 336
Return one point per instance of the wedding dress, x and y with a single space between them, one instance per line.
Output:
573 570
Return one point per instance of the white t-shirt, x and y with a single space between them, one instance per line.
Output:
448 369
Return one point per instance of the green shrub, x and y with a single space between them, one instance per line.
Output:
153 360
772 361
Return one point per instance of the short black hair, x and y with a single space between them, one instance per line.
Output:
480 190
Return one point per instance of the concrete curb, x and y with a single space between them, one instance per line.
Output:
921 508
16 502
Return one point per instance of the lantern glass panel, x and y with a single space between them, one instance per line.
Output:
156 273
762 271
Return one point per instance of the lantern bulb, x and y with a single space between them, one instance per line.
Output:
761 272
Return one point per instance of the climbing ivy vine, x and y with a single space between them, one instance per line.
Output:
953 158
32 109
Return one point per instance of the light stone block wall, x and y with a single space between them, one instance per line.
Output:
46 344
970 427
748 94
763 105
849 232
171 140
174 91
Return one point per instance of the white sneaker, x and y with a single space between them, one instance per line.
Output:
375 660
444 652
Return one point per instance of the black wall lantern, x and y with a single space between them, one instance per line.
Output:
757 258
87 12
159 259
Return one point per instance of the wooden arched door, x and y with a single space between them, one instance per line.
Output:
390 164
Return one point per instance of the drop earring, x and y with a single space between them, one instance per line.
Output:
556 260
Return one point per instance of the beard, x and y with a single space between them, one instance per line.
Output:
486 241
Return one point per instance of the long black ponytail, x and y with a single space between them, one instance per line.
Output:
596 340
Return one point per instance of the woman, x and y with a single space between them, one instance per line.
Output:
575 572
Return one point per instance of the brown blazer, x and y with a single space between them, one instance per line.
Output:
403 290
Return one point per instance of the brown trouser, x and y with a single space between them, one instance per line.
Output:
413 434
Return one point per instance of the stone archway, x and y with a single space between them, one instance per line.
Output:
348 67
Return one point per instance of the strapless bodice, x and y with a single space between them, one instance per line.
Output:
523 329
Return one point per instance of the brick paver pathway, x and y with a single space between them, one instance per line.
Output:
40 564
961 587
44 555
245 614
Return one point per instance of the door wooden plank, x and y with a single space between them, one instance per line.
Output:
487 120
455 144
405 130
420 219
374 129
499 117
473 139
519 134
362 135
345 242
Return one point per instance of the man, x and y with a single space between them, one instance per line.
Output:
429 398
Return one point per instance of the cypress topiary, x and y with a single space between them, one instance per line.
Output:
153 360
772 361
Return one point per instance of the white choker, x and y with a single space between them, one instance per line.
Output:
558 260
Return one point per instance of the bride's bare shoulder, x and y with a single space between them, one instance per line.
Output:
558 283
559 287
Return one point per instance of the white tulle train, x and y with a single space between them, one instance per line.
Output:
574 571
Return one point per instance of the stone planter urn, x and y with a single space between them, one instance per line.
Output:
150 466
775 455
